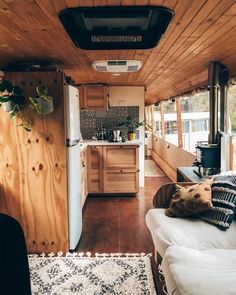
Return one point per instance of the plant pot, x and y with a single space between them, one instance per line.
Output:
131 135
44 106
8 106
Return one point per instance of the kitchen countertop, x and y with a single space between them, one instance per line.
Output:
86 143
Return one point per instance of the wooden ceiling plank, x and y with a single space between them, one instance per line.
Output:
178 64
180 9
99 2
28 15
127 2
188 72
185 72
184 42
79 3
221 35
183 48
169 3
113 2
190 14
142 2
155 2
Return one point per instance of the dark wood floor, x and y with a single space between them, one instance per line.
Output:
117 224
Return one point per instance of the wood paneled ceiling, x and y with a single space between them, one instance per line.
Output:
202 30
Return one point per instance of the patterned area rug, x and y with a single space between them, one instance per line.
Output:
100 275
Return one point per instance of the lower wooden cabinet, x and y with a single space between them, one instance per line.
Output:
113 169
120 181
95 169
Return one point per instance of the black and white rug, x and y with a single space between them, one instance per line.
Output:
118 274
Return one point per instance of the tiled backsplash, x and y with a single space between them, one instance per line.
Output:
92 121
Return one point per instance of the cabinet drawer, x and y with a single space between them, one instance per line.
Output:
116 181
120 157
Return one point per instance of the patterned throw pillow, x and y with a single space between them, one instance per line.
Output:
223 200
190 200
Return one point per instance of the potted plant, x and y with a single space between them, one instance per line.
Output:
13 101
132 125
42 102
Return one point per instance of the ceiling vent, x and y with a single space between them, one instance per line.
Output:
117 66
120 27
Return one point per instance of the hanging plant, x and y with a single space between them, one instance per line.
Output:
13 101
42 103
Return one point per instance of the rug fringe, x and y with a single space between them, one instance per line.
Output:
89 254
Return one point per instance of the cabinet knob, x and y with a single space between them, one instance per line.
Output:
138 170
121 170
83 164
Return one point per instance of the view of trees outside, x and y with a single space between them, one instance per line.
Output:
195 120
157 120
232 115
170 121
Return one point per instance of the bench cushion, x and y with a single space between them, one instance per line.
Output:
187 232
195 272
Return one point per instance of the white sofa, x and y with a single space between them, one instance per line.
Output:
198 258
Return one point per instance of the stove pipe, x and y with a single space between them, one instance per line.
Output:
217 83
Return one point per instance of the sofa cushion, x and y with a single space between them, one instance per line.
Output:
190 200
195 272
224 202
187 232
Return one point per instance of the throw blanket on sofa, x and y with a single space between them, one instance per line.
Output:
223 200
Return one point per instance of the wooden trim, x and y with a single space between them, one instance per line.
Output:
169 171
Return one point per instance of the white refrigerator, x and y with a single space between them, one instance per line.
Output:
73 138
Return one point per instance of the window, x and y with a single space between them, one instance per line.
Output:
170 122
232 115
157 120
195 120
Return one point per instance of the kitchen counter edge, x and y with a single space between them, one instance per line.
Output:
86 143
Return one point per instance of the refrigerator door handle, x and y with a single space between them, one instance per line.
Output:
70 143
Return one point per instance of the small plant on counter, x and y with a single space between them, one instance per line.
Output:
13 101
42 103
132 125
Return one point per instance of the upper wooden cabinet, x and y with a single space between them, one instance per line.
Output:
93 97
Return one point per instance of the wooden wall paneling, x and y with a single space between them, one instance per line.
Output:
34 165
170 157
